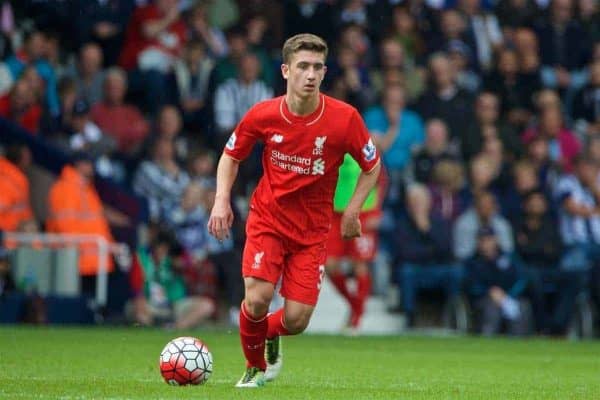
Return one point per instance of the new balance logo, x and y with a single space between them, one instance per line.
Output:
277 138
318 167
257 260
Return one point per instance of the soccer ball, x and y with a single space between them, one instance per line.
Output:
185 361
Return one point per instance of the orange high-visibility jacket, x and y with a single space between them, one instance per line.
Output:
14 196
74 207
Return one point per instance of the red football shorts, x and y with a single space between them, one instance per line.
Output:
363 248
269 256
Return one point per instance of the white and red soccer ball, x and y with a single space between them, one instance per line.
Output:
185 361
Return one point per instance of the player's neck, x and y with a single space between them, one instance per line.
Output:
302 106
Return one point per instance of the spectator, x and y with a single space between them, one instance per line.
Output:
563 144
159 291
513 14
459 55
160 179
235 96
192 75
483 26
396 131
495 280
424 252
15 206
33 53
154 37
309 16
202 165
444 99
348 72
169 125
538 242
75 208
404 29
578 199
513 89
483 214
103 23
588 15
452 28
20 107
487 125
448 178
525 179
482 174
203 32
88 75
586 107
123 122
435 149
563 44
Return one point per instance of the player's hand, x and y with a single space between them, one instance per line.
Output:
350 226
221 220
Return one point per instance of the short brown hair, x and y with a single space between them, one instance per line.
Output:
303 41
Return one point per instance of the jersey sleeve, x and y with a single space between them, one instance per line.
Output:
243 138
361 146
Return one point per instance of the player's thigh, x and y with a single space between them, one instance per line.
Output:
303 274
262 259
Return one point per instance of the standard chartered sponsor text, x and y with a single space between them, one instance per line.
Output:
294 163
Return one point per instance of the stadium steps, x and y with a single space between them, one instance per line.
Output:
332 313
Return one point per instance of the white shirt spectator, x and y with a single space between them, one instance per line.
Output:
234 98
576 229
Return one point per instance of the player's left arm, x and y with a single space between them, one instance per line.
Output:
350 219
362 149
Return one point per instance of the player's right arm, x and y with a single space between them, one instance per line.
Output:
221 217
238 147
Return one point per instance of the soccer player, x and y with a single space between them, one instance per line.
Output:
306 136
360 251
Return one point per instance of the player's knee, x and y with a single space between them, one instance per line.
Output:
257 304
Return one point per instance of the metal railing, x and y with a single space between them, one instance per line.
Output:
67 240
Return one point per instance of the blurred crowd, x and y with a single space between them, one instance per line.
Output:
487 113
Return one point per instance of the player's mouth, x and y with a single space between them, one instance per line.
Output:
310 86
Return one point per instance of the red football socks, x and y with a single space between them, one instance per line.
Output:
362 294
339 281
276 325
253 333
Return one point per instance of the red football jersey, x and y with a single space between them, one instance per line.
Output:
300 160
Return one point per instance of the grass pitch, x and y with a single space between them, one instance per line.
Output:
119 363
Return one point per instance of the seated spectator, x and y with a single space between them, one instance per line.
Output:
487 125
154 37
74 207
435 149
424 252
235 96
88 75
483 26
563 144
160 180
33 53
20 107
203 33
539 245
483 214
460 57
393 62
578 199
525 180
495 281
169 125
444 99
512 88
538 154
202 165
15 206
192 75
159 291
482 174
348 71
123 122
395 130
586 110
448 178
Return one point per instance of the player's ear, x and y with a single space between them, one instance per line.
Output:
285 70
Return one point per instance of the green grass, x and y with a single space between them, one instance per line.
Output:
116 363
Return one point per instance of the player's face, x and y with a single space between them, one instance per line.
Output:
304 73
